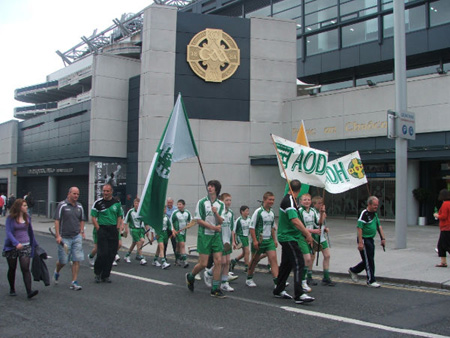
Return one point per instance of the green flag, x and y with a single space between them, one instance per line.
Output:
176 144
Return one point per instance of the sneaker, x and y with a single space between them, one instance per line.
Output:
328 282
156 263
31 294
311 281
74 286
138 258
304 299
97 279
232 264
232 276
353 276
207 278
165 265
190 283
91 260
127 259
226 287
114 263
12 293
218 294
306 287
185 264
250 283
56 277
117 258
106 280
283 295
198 277
373 285
143 261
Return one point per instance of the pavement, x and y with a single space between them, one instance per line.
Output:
414 265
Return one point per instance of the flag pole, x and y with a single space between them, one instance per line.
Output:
284 171
203 173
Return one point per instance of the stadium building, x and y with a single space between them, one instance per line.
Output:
327 62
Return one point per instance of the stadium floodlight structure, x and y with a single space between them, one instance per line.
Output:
128 26
176 3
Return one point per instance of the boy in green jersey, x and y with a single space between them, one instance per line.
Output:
264 238
227 229
209 214
162 237
137 229
179 219
240 235
319 208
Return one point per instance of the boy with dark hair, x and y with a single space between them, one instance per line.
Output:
240 235
179 219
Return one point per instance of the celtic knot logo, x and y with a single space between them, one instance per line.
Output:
213 55
356 168
164 161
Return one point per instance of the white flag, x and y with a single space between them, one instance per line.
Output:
345 173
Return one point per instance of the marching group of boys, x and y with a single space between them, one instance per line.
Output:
301 232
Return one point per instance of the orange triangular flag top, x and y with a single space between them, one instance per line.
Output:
302 138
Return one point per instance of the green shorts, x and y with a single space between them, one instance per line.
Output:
207 244
228 252
244 241
181 238
304 246
264 246
323 245
162 237
137 234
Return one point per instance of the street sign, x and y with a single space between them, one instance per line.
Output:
406 125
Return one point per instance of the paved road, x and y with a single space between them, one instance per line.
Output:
145 301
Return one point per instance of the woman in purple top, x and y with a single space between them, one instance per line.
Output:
19 245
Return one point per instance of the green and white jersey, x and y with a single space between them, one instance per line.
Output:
133 220
369 223
242 226
180 219
107 212
309 218
166 223
204 212
227 226
263 221
286 230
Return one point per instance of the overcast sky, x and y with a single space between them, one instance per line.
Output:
32 30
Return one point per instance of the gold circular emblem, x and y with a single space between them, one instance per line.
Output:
213 55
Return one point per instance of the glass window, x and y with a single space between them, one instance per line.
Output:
291 14
439 12
387 4
322 42
285 4
363 7
336 86
317 5
299 48
375 79
421 71
262 12
414 20
320 11
359 33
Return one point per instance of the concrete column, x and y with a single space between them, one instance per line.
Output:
52 190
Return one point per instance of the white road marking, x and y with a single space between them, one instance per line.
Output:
148 280
361 323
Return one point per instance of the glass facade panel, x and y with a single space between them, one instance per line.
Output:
262 12
291 14
322 42
360 33
320 11
285 4
439 12
414 20
336 86
388 25
363 7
